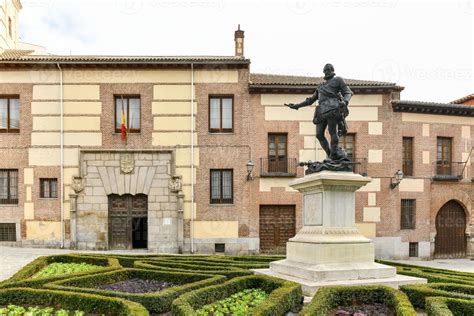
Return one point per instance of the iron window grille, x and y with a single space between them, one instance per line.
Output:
408 214
49 188
8 186
222 186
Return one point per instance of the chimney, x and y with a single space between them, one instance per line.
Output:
239 42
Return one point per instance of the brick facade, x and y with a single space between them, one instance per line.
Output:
378 131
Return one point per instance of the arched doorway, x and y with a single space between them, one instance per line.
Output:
450 241
128 221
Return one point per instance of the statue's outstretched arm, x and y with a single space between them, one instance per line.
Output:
310 100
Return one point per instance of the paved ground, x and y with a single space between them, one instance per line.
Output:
463 265
13 259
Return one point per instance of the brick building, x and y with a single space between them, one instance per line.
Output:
180 182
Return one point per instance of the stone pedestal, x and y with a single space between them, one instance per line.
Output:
329 249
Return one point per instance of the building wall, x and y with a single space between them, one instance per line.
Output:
378 138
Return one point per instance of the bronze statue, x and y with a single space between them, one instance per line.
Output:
334 96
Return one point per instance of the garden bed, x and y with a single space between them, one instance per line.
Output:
88 303
283 295
229 272
25 277
136 285
157 302
329 300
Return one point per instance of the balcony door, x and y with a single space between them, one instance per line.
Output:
443 156
277 153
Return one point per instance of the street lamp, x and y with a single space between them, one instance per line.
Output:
249 165
397 179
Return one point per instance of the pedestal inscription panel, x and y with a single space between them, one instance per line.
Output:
313 209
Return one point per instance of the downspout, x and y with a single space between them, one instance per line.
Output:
191 230
61 188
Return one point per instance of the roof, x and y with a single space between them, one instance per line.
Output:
22 57
15 53
463 99
271 81
432 108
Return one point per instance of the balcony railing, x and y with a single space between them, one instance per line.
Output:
359 165
273 167
448 170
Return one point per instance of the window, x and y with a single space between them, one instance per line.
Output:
49 188
219 248
277 153
413 249
443 156
221 114
408 214
347 142
9 114
130 106
407 153
221 186
8 186
7 232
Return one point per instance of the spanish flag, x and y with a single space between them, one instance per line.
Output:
124 129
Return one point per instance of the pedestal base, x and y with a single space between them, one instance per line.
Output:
333 271
311 287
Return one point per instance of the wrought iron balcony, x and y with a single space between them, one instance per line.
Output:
359 165
448 170
274 167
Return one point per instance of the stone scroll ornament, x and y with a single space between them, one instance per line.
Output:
77 184
334 96
127 163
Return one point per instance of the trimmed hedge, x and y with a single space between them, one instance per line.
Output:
158 302
417 293
433 275
284 295
446 306
329 298
229 272
87 303
23 277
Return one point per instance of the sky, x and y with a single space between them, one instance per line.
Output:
425 46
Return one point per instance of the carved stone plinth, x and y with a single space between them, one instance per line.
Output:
329 249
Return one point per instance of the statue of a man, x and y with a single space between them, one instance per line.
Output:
334 96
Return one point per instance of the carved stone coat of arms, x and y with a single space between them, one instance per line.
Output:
127 164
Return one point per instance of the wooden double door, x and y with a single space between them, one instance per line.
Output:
450 241
277 225
128 221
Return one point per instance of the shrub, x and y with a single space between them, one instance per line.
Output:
229 272
159 302
283 295
329 298
87 303
417 293
445 306
23 278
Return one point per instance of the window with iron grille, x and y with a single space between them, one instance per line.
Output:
222 186
221 114
7 232
130 107
413 249
408 214
8 186
407 153
49 188
219 248
9 114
